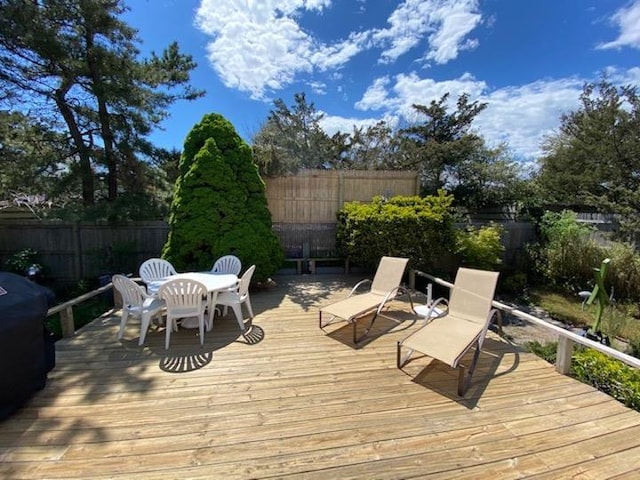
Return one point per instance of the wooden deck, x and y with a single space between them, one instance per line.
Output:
296 402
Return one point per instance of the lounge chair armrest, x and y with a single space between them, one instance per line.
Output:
438 308
358 285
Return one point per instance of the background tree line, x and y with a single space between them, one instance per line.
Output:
78 101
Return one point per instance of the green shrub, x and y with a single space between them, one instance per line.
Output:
623 274
515 284
567 254
608 375
480 247
21 260
420 229
219 206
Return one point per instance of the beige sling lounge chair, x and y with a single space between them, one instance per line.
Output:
448 338
385 287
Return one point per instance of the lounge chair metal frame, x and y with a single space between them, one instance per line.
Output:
378 302
441 314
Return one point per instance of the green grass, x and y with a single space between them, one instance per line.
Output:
618 320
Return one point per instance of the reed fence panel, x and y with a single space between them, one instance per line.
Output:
315 196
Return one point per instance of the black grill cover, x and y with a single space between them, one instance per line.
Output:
26 350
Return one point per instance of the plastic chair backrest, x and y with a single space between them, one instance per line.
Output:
184 295
227 264
156 269
245 280
132 293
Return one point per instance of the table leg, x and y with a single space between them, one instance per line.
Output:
213 296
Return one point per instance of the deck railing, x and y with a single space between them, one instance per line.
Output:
566 338
66 309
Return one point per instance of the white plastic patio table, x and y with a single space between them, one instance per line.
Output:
214 283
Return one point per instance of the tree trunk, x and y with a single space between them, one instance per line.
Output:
86 172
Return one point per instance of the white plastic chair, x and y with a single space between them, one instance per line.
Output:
237 297
156 269
136 302
183 298
227 264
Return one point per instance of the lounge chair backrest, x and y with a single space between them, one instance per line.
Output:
472 294
389 275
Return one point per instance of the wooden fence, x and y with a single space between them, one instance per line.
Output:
303 209
315 196
74 251
71 251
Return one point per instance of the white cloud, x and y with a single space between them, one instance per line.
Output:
447 23
411 88
375 97
628 19
520 116
319 88
332 124
259 46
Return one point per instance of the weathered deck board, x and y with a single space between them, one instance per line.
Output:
302 403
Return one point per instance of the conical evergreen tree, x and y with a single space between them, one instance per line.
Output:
219 206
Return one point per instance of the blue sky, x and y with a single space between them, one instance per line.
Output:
360 61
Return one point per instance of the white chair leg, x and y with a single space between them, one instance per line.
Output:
167 330
123 322
201 325
248 303
145 321
237 310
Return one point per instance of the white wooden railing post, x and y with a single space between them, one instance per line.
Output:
563 355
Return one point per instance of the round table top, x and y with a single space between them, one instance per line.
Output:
213 281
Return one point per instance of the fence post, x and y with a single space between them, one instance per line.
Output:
412 280
563 355
77 251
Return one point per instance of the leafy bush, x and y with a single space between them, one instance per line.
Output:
219 206
623 275
480 247
21 260
516 284
608 375
420 229
567 254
